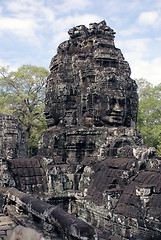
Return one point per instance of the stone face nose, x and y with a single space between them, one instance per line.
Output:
117 107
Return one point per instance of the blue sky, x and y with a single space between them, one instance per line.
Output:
31 30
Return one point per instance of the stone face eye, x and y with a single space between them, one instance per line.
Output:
95 98
112 102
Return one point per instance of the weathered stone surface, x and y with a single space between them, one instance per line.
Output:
28 174
91 101
92 155
24 233
6 180
92 149
90 82
6 225
50 218
13 144
12 138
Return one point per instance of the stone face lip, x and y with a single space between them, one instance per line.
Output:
90 82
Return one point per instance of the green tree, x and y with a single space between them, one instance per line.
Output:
149 112
22 94
159 147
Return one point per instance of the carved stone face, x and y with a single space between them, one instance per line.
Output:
116 111
90 82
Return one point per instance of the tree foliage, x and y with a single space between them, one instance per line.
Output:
22 94
159 147
149 113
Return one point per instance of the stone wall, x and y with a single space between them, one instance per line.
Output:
13 142
49 218
29 175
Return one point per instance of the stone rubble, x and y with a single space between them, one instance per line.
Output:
6 226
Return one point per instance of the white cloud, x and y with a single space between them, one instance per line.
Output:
3 63
75 20
62 25
158 4
31 19
135 48
58 38
147 69
48 14
122 6
11 66
70 5
31 8
24 28
22 5
130 31
25 19
16 25
158 39
142 63
151 18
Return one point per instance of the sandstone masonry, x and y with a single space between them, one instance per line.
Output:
92 160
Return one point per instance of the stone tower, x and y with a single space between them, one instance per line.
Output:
90 82
91 101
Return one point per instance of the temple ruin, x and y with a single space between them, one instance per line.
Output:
91 162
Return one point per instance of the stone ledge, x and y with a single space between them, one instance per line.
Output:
67 224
